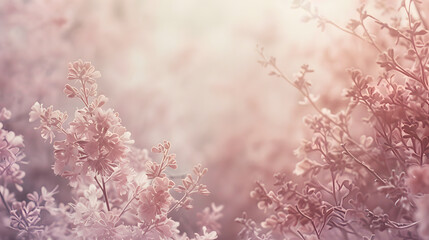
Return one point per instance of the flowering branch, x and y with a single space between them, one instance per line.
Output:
96 145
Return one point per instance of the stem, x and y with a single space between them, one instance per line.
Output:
6 168
103 189
300 234
333 188
187 193
125 208
379 121
162 167
372 42
84 98
105 194
129 202
309 219
304 93
425 25
363 165
413 43
5 203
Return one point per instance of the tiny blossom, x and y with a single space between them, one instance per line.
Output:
8 196
304 166
50 121
5 114
83 71
24 218
10 157
167 228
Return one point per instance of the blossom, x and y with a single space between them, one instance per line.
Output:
155 200
8 196
24 217
210 216
36 111
50 121
87 210
304 166
206 235
65 152
5 114
167 228
10 145
10 157
83 71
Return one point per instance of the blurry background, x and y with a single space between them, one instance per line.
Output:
184 71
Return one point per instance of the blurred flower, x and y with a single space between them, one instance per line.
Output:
209 217
418 179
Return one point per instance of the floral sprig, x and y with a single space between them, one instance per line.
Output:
120 192
341 172
25 217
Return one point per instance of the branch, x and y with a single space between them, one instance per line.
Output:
363 165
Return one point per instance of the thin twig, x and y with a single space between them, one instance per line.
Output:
103 189
425 25
364 165
311 221
5 203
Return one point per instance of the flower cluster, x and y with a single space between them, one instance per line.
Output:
24 216
118 191
368 183
11 155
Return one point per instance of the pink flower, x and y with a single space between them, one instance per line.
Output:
162 184
305 166
83 71
24 216
102 140
65 152
5 114
50 120
36 111
12 174
10 155
206 235
209 217
87 209
10 145
155 200
418 179
167 229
